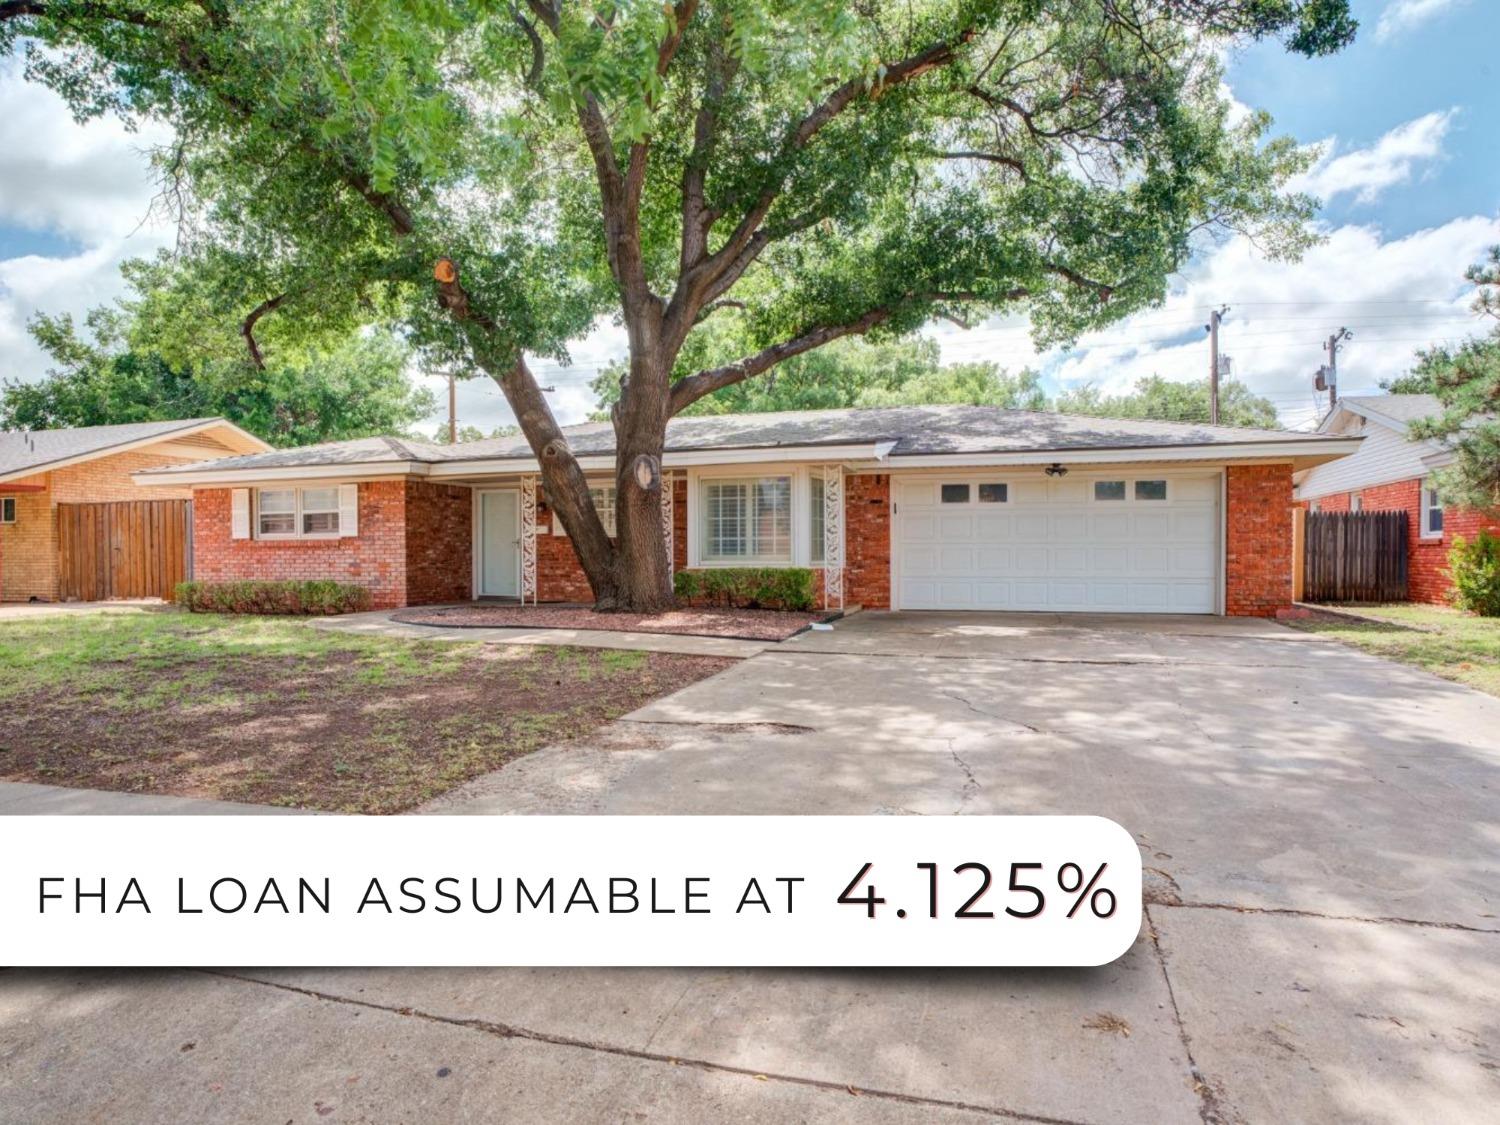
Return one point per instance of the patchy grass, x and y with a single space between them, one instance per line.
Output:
1443 641
273 711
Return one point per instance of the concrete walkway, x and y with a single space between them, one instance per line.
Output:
378 623
20 798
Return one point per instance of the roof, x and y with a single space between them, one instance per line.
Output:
23 452
1398 409
903 431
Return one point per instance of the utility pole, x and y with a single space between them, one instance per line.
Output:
1214 319
452 409
1328 375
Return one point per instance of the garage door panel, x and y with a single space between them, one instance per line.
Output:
1052 546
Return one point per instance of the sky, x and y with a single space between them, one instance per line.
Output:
1409 177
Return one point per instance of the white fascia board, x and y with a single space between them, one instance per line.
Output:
1440 459
1327 449
681 459
239 478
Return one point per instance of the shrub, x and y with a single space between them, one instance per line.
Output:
763 587
1475 569
320 597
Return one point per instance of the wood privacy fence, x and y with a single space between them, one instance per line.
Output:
126 549
1355 557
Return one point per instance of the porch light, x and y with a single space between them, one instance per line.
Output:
1056 470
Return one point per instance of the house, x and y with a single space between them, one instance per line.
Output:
921 507
1390 472
71 515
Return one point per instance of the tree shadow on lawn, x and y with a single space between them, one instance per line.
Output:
331 730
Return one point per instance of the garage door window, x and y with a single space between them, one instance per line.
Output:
993 493
1109 490
955 494
1150 490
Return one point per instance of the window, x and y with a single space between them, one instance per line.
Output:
1150 490
7 509
747 520
1109 490
955 494
1356 502
994 493
320 511
815 521
1432 512
293 513
604 502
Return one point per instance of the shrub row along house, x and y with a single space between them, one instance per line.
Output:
1392 473
73 522
923 507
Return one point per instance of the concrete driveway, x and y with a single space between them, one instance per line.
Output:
1322 942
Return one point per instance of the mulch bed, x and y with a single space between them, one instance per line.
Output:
738 624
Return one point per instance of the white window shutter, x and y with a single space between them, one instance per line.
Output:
348 510
239 513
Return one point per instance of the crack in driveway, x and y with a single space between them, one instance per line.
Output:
989 714
510 1031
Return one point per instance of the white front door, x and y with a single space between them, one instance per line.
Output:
1123 542
499 544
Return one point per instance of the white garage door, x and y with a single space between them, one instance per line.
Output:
1104 544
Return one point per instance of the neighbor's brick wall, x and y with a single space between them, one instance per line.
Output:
375 558
28 547
1427 559
1258 564
867 541
439 543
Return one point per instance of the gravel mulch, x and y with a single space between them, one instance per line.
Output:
739 624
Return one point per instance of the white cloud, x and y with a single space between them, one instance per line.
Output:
1396 295
1404 15
1393 159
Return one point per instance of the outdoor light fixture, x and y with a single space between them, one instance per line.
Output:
1056 470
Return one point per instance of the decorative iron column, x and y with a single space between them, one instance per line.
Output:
833 537
528 539
668 499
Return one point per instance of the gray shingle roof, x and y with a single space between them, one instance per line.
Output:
36 449
1399 408
913 429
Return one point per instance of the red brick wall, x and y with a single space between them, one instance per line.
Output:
1258 562
559 578
439 543
1427 559
375 558
867 541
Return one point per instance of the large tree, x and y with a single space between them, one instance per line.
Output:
1466 381
173 348
815 169
1170 401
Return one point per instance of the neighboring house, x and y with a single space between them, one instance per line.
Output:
922 507
52 481
1390 472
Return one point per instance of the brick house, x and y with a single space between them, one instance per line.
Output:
923 507
1392 473
48 473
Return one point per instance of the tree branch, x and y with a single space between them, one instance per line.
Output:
19 9
247 329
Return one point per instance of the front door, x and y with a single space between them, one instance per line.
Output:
499 544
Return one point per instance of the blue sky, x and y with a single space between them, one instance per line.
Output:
1410 176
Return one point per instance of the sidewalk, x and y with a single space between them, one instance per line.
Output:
20 798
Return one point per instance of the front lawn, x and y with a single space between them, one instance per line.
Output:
274 711
1444 641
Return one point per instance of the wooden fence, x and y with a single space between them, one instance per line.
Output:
1354 557
126 549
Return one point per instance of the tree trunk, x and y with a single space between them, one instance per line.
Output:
643 573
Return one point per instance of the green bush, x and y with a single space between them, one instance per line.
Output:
748 587
1475 569
319 597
